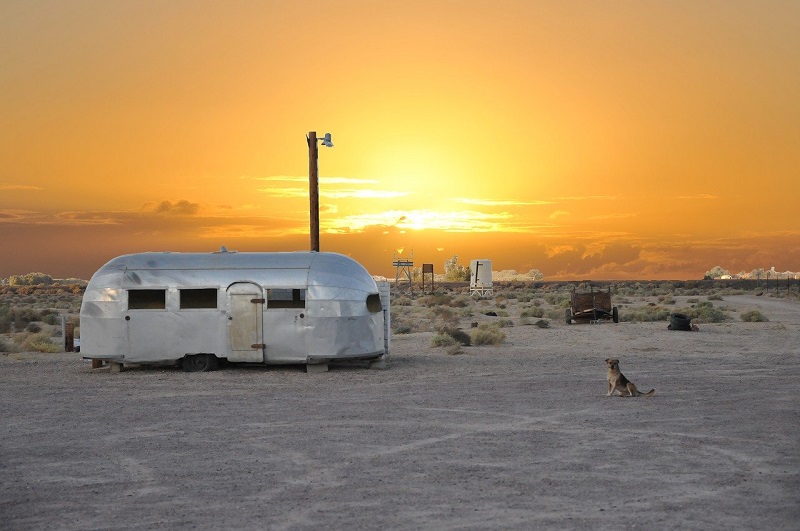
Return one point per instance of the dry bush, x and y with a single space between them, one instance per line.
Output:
705 312
488 337
39 342
487 334
753 316
536 312
458 335
443 340
455 349
645 314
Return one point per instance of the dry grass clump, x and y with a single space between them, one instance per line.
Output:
442 340
535 311
39 342
645 314
487 334
753 316
705 312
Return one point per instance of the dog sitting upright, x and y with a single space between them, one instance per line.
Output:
621 385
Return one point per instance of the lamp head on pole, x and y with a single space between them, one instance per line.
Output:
326 140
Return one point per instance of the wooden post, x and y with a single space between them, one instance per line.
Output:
313 190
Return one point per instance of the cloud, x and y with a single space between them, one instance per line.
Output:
698 196
491 202
614 216
19 187
329 188
21 216
558 214
586 197
180 208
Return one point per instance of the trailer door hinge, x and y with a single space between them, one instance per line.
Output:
258 301
258 345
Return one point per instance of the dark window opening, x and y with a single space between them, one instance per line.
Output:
286 298
198 298
374 303
147 299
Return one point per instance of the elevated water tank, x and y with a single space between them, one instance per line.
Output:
480 277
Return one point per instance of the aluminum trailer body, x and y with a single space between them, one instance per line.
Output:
271 308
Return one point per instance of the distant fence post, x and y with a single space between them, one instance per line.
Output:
68 333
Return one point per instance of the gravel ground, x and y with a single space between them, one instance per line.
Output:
516 436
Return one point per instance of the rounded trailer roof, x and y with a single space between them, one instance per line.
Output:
309 268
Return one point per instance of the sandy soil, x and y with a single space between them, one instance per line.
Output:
515 436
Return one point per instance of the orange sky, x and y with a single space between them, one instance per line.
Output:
585 139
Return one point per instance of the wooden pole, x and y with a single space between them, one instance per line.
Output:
313 190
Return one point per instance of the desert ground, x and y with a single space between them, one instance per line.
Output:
515 435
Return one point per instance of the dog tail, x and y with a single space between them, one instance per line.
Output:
651 392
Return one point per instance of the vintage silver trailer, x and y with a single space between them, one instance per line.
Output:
198 308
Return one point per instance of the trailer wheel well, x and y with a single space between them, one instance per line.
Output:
199 362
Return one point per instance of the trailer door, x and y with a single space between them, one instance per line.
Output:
245 322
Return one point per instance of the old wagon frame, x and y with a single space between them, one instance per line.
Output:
591 307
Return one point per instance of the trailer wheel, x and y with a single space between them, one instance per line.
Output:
615 314
568 316
199 363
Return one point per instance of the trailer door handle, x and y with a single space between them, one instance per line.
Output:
258 301
257 345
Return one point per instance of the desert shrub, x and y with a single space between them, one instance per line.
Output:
753 316
33 328
460 301
645 314
6 345
442 340
401 301
705 312
402 329
692 301
455 349
487 335
715 297
562 300
458 335
445 313
504 323
542 323
532 312
39 342
435 299
554 314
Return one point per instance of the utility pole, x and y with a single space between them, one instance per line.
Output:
313 189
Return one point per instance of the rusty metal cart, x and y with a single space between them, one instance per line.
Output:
591 307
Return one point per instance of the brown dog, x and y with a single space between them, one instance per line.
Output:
617 382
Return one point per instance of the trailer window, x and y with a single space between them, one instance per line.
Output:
198 298
374 303
286 298
147 299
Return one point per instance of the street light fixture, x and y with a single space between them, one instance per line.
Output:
313 183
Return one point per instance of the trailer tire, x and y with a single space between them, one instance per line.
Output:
568 316
615 314
199 363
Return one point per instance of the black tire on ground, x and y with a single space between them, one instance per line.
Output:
679 321
568 316
615 314
199 363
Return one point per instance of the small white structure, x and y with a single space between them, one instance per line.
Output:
197 308
480 278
